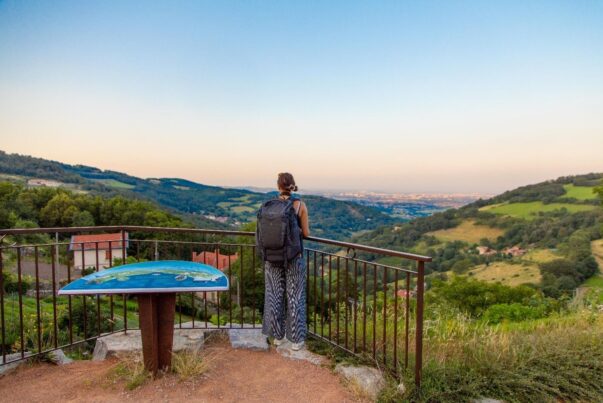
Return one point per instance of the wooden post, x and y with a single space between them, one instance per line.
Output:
157 329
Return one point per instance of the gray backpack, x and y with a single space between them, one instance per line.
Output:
278 234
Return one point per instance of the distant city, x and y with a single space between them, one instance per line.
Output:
401 205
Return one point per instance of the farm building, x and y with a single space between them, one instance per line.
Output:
486 251
514 251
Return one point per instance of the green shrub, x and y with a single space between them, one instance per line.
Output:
512 312
85 318
11 283
474 296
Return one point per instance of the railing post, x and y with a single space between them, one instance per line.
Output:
419 328
123 261
56 248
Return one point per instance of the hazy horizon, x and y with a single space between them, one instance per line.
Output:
463 97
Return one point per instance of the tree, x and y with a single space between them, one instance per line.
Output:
59 212
599 191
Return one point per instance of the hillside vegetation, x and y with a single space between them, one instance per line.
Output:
202 205
539 234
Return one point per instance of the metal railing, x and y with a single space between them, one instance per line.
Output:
369 305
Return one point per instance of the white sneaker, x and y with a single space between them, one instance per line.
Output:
297 346
278 342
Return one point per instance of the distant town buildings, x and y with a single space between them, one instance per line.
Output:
43 182
97 250
220 219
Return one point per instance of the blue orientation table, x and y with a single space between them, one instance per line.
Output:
165 276
155 284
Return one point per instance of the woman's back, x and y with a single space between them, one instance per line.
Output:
301 211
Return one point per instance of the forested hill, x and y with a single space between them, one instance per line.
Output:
544 234
203 205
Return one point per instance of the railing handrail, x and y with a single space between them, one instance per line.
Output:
139 228
324 309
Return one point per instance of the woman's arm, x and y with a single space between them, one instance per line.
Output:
303 215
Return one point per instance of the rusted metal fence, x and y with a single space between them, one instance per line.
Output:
366 301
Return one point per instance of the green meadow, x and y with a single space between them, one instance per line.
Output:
114 183
579 192
530 210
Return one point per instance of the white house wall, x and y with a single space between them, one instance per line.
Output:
90 258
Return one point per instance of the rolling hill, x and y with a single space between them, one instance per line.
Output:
203 205
539 234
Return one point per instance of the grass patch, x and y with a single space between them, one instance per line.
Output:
560 360
579 192
467 231
241 199
531 210
114 183
189 364
540 256
508 273
130 370
13 178
596 281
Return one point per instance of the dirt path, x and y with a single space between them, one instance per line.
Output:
235 376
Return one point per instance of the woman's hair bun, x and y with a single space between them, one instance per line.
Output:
286 182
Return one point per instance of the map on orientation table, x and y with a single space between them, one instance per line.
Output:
150 277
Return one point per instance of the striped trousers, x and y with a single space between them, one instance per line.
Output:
285 300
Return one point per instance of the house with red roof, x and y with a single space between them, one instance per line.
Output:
97 250
215 259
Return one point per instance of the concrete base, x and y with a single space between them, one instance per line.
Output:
120 344
251 339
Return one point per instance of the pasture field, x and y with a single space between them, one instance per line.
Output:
579 192
508 273
114 183
596 281
242 199
540 256
243 209
13 178
530 210
467 231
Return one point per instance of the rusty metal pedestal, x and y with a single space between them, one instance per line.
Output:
156 313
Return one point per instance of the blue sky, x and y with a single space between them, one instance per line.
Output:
398 96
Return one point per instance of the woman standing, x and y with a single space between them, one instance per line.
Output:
285 293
